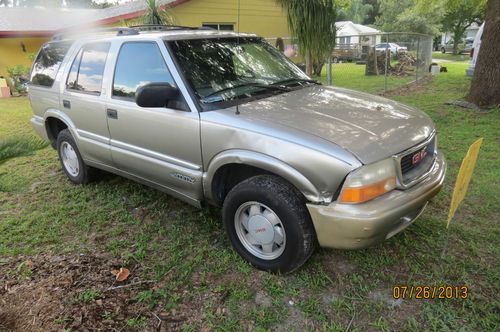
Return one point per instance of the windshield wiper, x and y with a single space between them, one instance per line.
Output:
250 84
296 80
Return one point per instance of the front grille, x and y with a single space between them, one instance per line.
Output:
418 161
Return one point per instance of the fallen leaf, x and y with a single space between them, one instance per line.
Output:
121 274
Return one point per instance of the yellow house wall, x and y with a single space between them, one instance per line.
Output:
11 53
262 17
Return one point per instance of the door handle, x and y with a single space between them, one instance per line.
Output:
112 114
66 103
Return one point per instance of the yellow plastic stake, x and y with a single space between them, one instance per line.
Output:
463 178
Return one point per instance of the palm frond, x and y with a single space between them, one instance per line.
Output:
19 146
157 15
312 23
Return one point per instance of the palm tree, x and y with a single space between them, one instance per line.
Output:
312 22
156 15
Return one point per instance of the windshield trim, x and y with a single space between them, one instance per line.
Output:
203 107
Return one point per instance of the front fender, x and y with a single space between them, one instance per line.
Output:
262 161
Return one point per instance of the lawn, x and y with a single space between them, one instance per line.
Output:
352 76
451 57
59 242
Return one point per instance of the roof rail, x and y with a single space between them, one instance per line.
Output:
160 27
120 31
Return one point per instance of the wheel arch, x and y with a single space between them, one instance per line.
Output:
251 163
56 121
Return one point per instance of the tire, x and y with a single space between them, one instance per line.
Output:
71 160
275 213
443 50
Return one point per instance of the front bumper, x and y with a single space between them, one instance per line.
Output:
353 226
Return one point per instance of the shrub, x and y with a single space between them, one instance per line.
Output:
19 75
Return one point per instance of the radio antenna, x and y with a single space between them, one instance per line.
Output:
238 41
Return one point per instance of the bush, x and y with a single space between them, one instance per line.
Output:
19 75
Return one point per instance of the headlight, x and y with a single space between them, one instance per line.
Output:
368 182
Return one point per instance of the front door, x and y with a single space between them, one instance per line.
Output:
160 145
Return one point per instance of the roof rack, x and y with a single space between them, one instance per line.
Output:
165 27
120 31
126 31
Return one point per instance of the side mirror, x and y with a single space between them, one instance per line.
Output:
155 94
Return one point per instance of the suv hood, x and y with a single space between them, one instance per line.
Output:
370 127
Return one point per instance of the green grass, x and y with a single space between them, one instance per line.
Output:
198 273
451 57
88 295
352 76
16 137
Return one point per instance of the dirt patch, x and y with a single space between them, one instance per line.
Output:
338 266
42 293
410 88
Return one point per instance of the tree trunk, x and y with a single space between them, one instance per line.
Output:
309 64
485 87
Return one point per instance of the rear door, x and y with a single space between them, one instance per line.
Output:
160 145
83 99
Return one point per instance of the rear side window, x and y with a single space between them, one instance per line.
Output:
88 68
47 63
130 73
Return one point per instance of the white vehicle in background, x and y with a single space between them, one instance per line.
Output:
474 52
395 48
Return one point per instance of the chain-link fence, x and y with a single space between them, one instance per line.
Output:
370 62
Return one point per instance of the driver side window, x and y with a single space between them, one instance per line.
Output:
139 63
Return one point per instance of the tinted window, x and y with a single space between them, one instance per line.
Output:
47 63
130 72
88 67
73 73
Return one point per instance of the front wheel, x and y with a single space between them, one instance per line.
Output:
268 224
443 50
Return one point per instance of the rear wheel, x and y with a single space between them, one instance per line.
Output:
268 224
71 160
443 50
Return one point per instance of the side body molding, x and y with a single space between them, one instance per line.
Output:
262 161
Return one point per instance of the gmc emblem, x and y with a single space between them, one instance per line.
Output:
419 156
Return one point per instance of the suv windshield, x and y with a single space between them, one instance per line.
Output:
225 69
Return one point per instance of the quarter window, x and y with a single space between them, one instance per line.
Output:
88 68
130 72
47 63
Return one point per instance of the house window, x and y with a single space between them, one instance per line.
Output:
345 40
219 26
